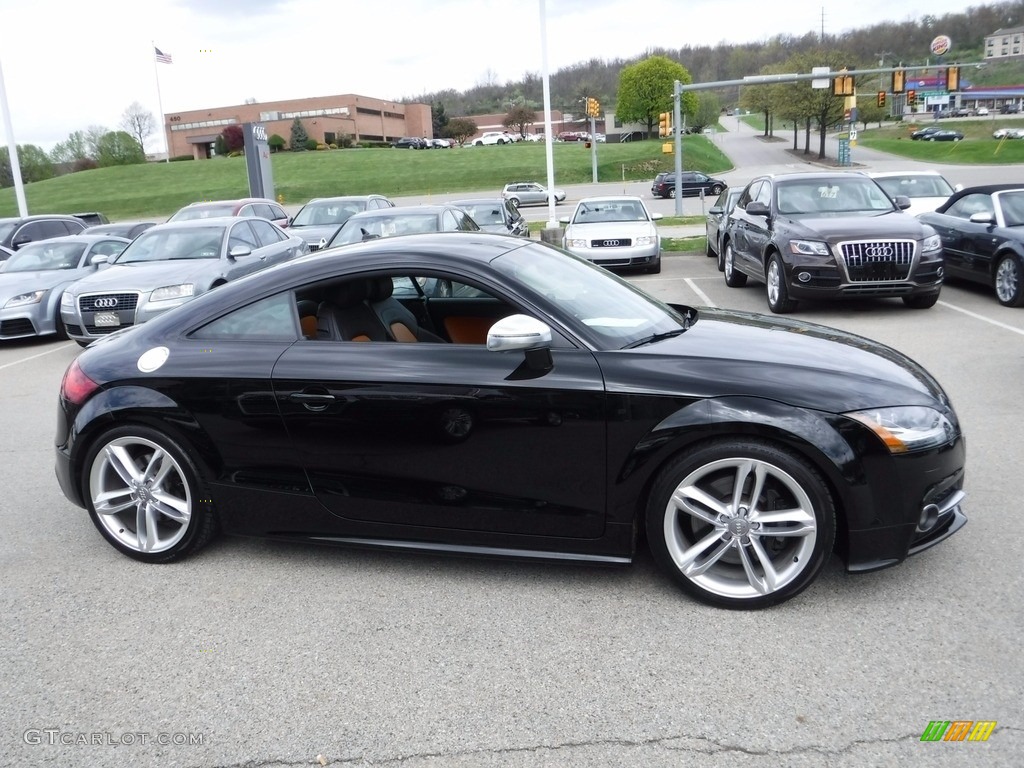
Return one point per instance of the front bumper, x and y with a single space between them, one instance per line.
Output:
132 308
26 321
628 256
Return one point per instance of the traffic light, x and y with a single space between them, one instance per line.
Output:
665 124
881 99
842 85
952 78
899 81
911 97
593 107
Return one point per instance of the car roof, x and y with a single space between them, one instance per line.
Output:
222 221
344 198
42 216
399 210
892 174
612 198
983 189
239 202
85 237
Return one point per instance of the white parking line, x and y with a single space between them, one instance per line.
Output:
983 319
33 357
703 296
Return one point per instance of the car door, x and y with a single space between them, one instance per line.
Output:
744 227
241 234
967 246
274 244
449 436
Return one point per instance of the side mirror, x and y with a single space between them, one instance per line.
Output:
902 202
98 258
982 217
716 210
239 250
518 332
565 220
757 208
958 187
656 216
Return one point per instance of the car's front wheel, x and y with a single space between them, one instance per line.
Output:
776 288
733 277
145 496
717 189
1009 280
741 523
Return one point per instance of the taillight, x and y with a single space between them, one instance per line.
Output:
76 387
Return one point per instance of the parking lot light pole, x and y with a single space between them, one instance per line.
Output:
19 188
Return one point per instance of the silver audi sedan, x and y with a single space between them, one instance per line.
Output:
168 265
33 279
615 231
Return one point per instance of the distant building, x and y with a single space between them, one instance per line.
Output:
325 118
1005 43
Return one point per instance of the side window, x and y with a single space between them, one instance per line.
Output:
247 210
266 232
764 194
749 194
242 234
72 227
448 222
967 206
271 318
276 213
109 247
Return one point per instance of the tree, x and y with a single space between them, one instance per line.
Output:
93 135
520 117
71 151
33 162
137 121
439 119
646 89
119 148
868 111
708 110
299 136
234 139
816 106
460 129
276 142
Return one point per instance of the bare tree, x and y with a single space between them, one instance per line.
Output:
138 122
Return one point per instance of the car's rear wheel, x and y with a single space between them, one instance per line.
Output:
717 189
733 277
671 191
776 288
1009 281
514 201
921 301
741 523
721 257
145 496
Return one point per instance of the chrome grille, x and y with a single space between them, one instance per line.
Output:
109 302
611 242
873 261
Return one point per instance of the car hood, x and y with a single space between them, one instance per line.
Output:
858 227
314 232
145 276
726 353
610 229
16 283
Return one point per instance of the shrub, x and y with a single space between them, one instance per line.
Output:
276 143
311 144
87 164
180 158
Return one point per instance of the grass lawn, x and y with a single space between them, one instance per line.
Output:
159 189
977 148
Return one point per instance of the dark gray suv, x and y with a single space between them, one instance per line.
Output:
16 232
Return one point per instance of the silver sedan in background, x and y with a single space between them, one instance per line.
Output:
33 279
614 231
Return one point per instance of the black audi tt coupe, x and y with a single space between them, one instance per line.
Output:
538 407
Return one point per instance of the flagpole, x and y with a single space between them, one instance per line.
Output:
19 187
160 104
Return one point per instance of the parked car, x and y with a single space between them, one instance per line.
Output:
129 229
492 137
1009 109
249 206
169 265
92 217
926 190
320 218
944 136
924 133
693 183
406 220
33 279
1008 133
530 193
717 222
657 179
18 231
963 112
560 413
615 231
981 112
411 142
829 236
982 232
441 143
495 214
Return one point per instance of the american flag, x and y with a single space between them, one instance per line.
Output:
163 58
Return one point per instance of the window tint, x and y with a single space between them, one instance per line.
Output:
266 232
271 318
242 234
109 247
750 193
968 205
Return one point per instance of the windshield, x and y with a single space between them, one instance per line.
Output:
916 186
193 212
597 211
170 244
614 311
838 196
327 213
45 255
484 212
384 225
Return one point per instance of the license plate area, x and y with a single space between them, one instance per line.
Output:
106 319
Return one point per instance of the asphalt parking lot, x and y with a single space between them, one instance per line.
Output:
266 654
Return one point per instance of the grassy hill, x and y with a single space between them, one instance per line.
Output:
159 189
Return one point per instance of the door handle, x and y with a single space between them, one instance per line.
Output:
312 401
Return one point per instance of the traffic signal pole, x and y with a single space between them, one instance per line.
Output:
678 118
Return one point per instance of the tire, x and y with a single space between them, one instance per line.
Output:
1008 280
500 142
921 301
717 189
135 478
721 257
655 268
708 250
671 192
514 201
733 277
775 287
60 330
82 343
478 143
724 547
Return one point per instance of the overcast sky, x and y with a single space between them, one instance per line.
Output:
71 64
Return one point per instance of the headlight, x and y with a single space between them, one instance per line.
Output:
907 428
576 243
169 292
25 298
809 248
932 243
67 301
645 240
